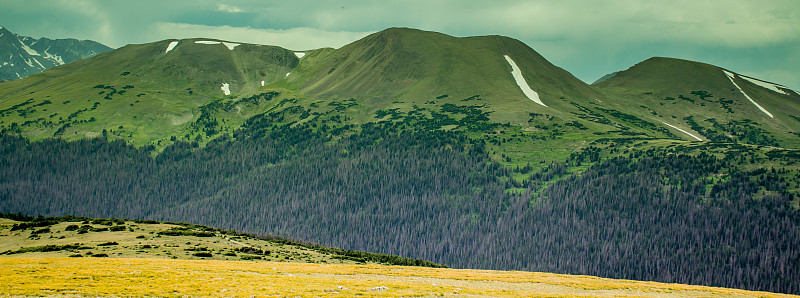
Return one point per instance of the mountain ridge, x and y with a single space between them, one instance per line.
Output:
23 56
397 68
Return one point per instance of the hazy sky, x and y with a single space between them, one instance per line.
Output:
588 38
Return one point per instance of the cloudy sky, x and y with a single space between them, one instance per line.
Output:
760 38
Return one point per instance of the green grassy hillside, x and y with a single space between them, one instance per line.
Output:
140 93
701 99
419 67
155 94
158 93
69 236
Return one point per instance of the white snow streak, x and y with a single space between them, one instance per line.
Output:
523 85
226 89
683 131
299 54
262 83
230 45
171 46
287 74
730 77
55 58
40 63
30 51
770 86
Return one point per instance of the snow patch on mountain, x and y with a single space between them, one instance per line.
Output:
52 57
730 77
299 54
171 46
262 83
683 131
523 85
226 89
230 45
30 51
40 63
770 86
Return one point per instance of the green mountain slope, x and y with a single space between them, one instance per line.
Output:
154 94
708 101
140 93
418 66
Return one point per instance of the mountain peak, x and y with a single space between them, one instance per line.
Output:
5 32
406 30
674 71
418 65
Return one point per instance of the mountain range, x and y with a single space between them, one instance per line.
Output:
21 56
158 89
471 152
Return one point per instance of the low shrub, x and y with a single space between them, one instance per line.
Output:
45 248
185 232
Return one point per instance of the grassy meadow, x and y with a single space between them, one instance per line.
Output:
60 276
53 258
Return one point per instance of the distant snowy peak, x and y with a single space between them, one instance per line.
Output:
21 56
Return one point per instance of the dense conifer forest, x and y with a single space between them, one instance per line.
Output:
676 214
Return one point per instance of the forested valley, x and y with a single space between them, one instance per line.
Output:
685 214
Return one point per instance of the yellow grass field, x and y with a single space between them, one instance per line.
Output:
63 276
